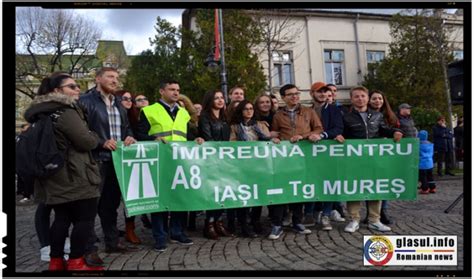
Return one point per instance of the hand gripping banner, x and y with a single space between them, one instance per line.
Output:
185 176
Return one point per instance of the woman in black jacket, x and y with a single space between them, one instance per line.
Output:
213 127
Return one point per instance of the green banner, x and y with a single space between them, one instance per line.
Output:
185 176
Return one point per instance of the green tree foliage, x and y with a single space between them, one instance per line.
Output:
152 66
413 72
185 62
425 118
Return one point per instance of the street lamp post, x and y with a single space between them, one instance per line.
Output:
223 70
212 60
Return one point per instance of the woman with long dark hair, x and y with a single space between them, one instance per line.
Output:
72 192
379 102
127 100
213 127
244 127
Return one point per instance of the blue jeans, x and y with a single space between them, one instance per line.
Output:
311 207
327 208
158 227
384 204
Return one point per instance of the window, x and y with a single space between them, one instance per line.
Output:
375 56
373 59
282 72
458 55
334 66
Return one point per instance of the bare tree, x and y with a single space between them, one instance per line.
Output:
51 40
279 29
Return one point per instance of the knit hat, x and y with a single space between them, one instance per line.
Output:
318 86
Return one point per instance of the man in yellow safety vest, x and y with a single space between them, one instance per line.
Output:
166 121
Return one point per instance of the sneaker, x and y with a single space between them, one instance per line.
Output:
67 246
182 241
160 248
299 228
379 227
317 217
326 223
277 231
336 216
287 220
433 191
25 200
309 220
424 192
353 226
44 252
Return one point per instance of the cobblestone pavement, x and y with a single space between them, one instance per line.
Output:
320 250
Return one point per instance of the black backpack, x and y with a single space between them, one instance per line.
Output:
37 154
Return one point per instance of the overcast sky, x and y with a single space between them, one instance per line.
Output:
135 26
132 26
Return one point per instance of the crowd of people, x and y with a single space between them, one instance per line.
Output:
89 125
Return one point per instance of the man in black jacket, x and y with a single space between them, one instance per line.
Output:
108 119
363 123
331 119
443 146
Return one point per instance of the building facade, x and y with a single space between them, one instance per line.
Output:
333 46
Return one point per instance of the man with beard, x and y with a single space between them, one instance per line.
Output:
108 119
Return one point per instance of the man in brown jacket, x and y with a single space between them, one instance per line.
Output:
294 123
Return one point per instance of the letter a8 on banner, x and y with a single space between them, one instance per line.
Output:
184 176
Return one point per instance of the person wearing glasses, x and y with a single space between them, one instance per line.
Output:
141 101
245 127
128 102
109 120
294 123
72 192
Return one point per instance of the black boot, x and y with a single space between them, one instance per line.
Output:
257 227
192 221
146 222
246 232
384 218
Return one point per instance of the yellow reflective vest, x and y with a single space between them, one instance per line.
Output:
162 125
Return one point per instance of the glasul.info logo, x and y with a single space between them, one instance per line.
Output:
378 250
410 250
